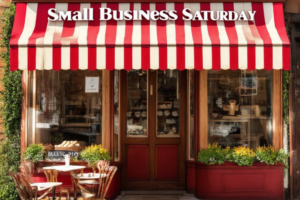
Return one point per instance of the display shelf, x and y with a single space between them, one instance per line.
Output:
82 116
137 109
168 135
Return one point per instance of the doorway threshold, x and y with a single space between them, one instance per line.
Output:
155 195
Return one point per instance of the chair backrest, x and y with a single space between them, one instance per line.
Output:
105 180
101 165
27 168
51 175
22 183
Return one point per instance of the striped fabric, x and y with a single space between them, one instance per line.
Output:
37 43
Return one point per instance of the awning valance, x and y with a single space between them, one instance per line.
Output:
38 43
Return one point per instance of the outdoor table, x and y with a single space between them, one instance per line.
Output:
43 186
71 169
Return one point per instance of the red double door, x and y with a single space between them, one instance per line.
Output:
153 129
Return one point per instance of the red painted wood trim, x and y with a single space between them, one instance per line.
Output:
230 181
137 163
167 162
190 177
141 1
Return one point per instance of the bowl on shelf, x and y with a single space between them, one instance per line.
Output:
137 114
159 113
167 113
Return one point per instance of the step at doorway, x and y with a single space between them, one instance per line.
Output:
156 195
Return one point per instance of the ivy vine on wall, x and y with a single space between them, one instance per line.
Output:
11 99
285 96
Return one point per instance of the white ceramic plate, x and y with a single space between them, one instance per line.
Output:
175 113
160 113
167 113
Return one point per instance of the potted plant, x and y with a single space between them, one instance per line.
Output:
240 173
34 153
56 138
93 154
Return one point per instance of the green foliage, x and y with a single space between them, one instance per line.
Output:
213 154
34 153
243 156
94 153
267 155
57 138
12 94
285 96
11 99
9 161
270 156
283 157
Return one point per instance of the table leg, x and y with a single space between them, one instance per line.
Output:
54 193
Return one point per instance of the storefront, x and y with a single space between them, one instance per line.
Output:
152 87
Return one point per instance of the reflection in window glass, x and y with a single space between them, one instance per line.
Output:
168 103
191 114
116 116
137 103
240 107
66 110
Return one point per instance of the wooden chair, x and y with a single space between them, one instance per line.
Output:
27 168
101 165
51 176
106 175
24 188
104 183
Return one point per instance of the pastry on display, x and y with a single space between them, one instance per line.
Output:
74 143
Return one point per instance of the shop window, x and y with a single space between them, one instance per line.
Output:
137 103
191 117
168 102
116 117
65 105
240 108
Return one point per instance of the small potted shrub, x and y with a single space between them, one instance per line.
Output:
243 156
214 154
34 153
93 154
240 173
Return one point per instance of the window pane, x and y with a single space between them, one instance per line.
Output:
240 107
116 116
168 103
66 109
137 103
191 114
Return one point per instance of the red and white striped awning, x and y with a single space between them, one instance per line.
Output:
37 43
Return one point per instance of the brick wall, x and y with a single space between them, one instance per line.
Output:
3 4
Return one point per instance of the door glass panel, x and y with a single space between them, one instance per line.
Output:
137 103
168 103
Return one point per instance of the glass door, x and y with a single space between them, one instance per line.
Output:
154 138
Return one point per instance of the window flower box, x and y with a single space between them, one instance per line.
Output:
230 181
